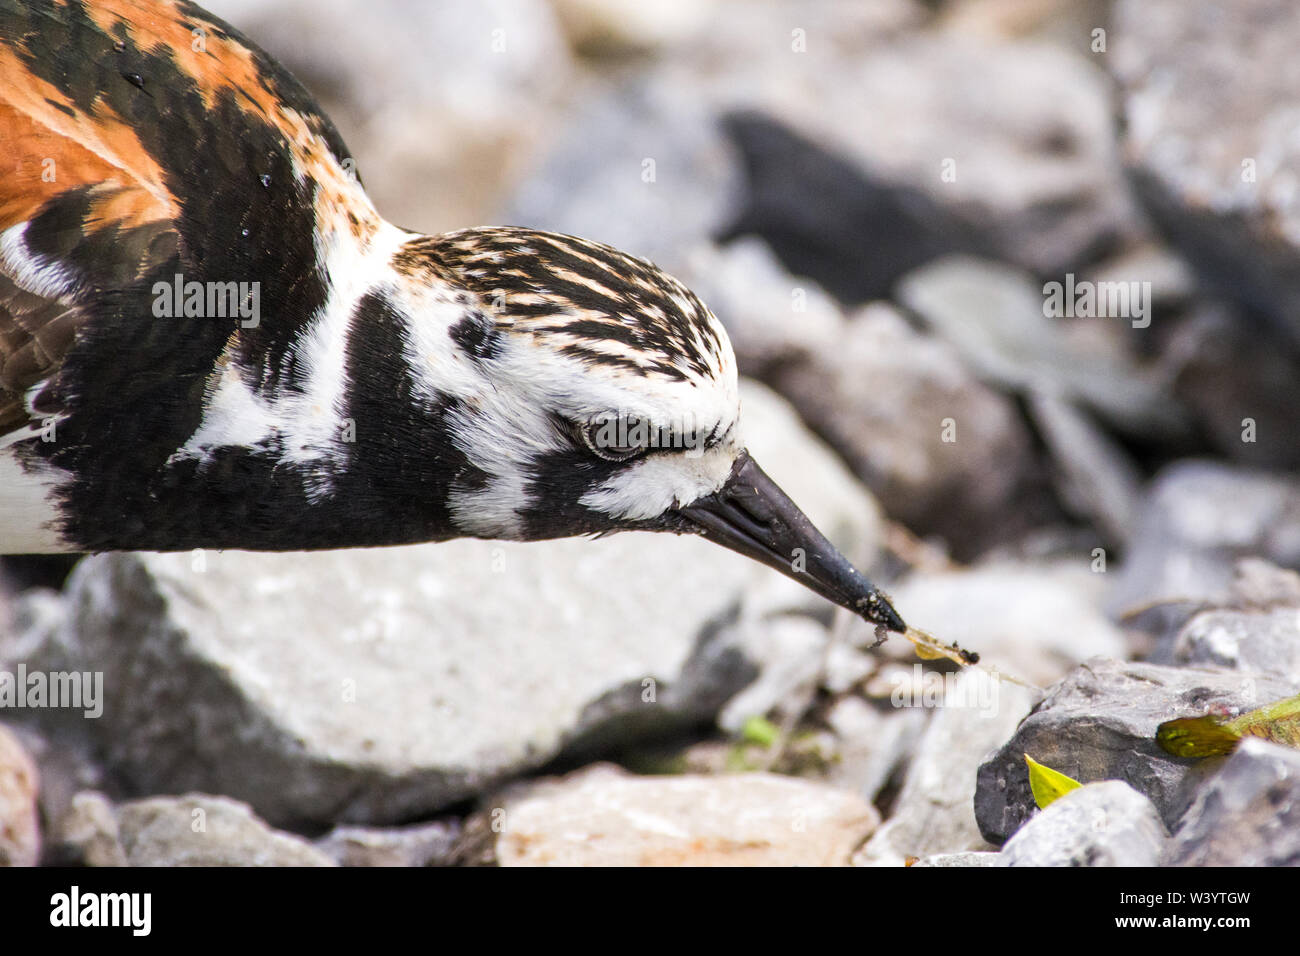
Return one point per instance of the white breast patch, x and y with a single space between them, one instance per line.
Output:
28 516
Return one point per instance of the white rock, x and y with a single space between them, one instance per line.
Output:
935 809
1100 824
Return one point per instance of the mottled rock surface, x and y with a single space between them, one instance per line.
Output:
1209 108
603 817
20 834
202 830
1247 815
1099 723
933 812
1101 824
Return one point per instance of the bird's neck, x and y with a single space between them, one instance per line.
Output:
333 445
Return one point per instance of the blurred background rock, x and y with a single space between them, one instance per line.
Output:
872 196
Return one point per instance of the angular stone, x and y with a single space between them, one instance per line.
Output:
944 453
87 834
994 316
201 830
1248 814
1101 824
1255 641
933 813
424 844
1099 723
1196 520
1209 121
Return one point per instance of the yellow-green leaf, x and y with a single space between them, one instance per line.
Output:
759 730
1204 736
1047 784
1210 735
1278 722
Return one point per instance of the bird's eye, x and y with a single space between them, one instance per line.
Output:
613 439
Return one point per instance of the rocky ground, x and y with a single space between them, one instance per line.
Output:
875 199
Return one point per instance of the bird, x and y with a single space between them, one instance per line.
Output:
210 338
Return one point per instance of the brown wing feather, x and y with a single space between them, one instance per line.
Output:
58 155
132 131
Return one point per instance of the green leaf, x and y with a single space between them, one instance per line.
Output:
1211 735
1205 736
759 730
1046 783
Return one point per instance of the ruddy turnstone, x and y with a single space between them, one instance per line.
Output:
210 339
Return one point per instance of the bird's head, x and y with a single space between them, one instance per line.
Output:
590 392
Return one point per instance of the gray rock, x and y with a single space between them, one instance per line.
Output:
1241 380
604 817
792 648
1095 478
968 858
1254 641
340 692
944 453
772 317
1099 723
1033 154
1172 283
201 830
1261 585
1195 521
1247 815
643 163
994 316
20 832
1101 824
871 743
436 141
87 833
641 167
855 192
425 844
933 812
1209 114
1035 621
376 686
1034 132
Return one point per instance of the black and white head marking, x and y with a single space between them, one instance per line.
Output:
594 391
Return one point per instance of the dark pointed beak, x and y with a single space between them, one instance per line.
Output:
752 515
